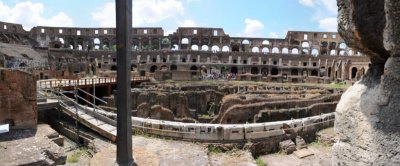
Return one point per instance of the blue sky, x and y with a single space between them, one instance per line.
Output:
252 18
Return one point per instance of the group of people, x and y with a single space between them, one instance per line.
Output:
219 76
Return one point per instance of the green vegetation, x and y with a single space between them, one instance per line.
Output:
213 149
74 157
260 162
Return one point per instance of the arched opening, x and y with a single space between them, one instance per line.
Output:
314 73
314 52
225 49
265 50
153 69
264 72
305 45
295 51
175 47
285 51
193 68
305 73
114 67
274 71
245 41
342 53
342 46
351 52
255 50
174 67
234 70
133 67
275 50
305 52
353 72
329 71
254 70
333 52
294 72
204 48
163 68
265 42
195 47
215 48
235 47
184 43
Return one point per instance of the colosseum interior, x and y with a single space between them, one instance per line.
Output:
204 84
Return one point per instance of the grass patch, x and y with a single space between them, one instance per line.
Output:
213 149
74 157
260 162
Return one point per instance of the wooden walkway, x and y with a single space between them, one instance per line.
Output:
54 83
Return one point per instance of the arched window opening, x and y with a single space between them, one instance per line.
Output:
215 48
245 41
314 52
265 50
275 50
285 51
305 45
295 51
174 67
294 72
153 69
234 70
265 42
255 50
353 72
342 46
254 70
195 47
274 71
225 49
204 48
314 73
333 52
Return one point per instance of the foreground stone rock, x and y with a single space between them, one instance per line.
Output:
367 116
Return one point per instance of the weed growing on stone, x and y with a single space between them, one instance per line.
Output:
260 162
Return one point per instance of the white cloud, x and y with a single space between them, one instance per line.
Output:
331 5
329 24
273 35
253 28
187 23
31 14
144 12
307 2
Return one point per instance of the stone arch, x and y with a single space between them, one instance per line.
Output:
255 70
245 42
295 51
173 67
275 50
193 68
285 50
175 47
215 48
342 46
264 72
314 52
195 47
265 42
333 52
342 52
265 50
204 48
164 68
274 71
114 68
153 69
235 47
294 72
234 70
185 41
305 52
255 50
314 73
354 71
305 45
225 49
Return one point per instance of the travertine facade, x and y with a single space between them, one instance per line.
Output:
192 53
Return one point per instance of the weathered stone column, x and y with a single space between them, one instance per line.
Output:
368 114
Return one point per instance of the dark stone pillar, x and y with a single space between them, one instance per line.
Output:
124 123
